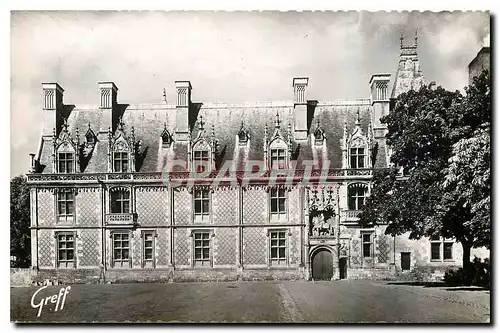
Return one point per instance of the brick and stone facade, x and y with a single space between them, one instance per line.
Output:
111 200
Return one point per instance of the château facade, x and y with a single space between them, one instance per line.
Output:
199 191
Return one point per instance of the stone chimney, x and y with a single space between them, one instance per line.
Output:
108 93
182 110
379 85
52 107
300 107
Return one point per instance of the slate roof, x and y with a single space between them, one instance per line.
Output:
149 122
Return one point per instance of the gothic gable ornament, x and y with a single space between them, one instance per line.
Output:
166 137
123 144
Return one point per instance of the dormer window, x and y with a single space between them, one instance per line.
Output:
120 162
66 162
243 136
166 138
201 160
278 158
90 138
355 152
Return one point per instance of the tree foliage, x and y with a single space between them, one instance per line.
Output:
441 140
20 246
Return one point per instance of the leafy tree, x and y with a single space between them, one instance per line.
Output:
441 140
20 246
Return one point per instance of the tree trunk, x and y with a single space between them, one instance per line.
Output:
466 264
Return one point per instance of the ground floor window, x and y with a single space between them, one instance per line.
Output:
278 247
202 248
441 249
148 240
65 249
367 244
121 249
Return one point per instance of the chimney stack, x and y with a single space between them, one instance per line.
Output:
379 85
108 93
52 106
300 107
183 89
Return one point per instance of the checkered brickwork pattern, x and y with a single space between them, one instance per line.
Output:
152 207
46 214
89 248
383 248
88 208
294 205
255 206
182 207
355 252
182 245
136 248
225 206
162 247
46 249
254 246
225 246
294 243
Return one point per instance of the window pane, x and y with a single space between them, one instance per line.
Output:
197 207
274 252
148 254
352 203
206 243
61 208
197 253
274 242
361 151
282 252
62 255
69 206
124 244
435 251
205 206
282 242
366 250
361 162
366 238
353 162
70 254
197 235
69 167
274 235
274 206
353 151
117 166
148 244
125 207
282 205
69 245
118 254
125 254
206 253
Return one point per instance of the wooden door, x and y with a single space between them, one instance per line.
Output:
322 265
343 267
405 261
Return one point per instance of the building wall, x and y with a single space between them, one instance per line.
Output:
240 224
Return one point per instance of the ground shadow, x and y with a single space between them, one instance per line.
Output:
438 284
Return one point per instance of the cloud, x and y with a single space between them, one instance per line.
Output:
228 56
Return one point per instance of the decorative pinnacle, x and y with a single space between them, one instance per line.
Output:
64 125
357 118
89 125
416 37
213 131
277 124
165 95
401 38
120 123
202 123
165 126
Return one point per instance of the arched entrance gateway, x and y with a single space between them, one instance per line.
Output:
322 265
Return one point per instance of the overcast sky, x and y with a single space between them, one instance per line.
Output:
228 57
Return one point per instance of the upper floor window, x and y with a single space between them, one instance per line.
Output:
120 162
356 194
66 162
200 160
201 204
278 203
357 158
278 247
65 249
120 201
65 205
202 248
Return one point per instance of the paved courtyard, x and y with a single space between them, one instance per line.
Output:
286 301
